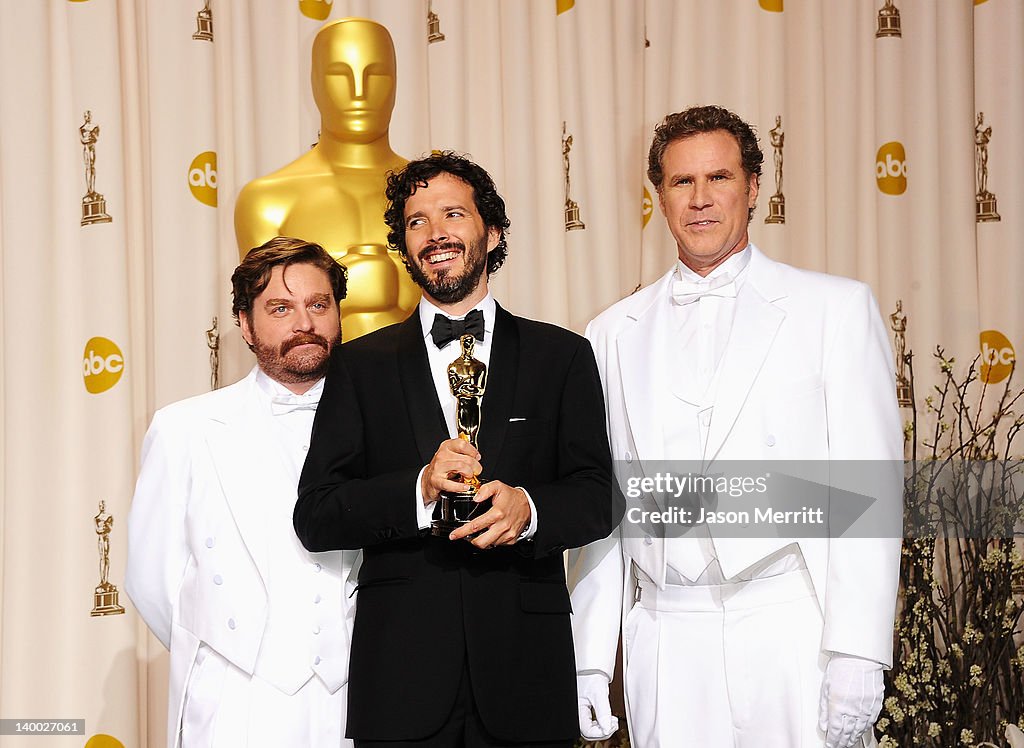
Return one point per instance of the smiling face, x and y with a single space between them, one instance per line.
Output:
706 198
293 326
447 243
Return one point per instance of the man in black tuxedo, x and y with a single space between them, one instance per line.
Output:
465 639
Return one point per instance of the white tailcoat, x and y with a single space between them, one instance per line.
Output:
198 540
807 374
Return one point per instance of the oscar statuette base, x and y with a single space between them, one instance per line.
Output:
456 509
105 601
776 209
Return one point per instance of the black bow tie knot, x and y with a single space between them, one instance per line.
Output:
445 330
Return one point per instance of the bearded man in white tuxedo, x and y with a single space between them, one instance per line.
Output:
258 627
740 642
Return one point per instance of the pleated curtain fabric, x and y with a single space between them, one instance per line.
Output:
127 128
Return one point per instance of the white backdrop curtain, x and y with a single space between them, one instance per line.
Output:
185 122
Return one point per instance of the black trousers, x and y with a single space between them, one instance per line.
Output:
462 729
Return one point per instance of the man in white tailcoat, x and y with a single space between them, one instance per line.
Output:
741 642
258 627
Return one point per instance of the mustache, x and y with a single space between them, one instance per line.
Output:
457 245
303 338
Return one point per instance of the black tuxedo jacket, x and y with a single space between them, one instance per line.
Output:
426 605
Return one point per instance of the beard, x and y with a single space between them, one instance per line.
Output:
287 366
446 287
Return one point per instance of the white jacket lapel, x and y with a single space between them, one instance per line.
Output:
754 327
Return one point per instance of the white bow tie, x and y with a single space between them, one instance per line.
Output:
281 404
686 292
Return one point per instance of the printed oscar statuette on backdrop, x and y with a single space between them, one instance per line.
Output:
898 322
105 601
204 24
985 204
888 21
467 379
94 205
572 208
777 202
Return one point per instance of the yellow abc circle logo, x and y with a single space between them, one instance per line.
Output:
647 206
103 741
891 168
997 356
772 6
202 178
102 365
318 10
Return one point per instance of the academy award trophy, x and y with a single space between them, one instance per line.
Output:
105 602
467 379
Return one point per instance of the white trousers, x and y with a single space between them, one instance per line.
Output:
736 665
227 708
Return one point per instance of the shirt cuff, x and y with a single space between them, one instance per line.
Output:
424 512
531 529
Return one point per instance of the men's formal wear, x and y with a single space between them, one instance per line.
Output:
432 611
758 361
258 627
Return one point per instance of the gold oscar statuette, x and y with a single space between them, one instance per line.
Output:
777 202
467 379
213 343
94 205
204 24
572 209
898 321
984 201
105 596
888 21
333 194
433 25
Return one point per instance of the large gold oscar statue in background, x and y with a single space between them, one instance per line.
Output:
334 194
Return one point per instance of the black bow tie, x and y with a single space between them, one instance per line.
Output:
445 330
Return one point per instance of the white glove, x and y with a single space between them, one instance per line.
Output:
851 699
592 693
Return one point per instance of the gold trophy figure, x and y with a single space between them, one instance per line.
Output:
94 205
204 24
888 21
777 202
898 322
213 343
105 597
334 193
467 379
572 208
985 206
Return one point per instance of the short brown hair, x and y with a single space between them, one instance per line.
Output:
252 276
697 120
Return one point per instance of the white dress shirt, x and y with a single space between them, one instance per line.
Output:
439 359
703 309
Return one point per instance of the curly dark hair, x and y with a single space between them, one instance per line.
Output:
701 119
402 184
253 274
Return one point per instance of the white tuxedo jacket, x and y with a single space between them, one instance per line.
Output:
198 540
806 375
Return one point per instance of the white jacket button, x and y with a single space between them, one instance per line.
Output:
231 624
770 440
218 579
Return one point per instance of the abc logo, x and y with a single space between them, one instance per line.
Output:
772 6
102 365
318 10
891 168
997 357
202 178
647 206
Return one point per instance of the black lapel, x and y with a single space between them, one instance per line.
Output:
502 371
418 387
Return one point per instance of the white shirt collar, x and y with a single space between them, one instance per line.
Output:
272 388
733 266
